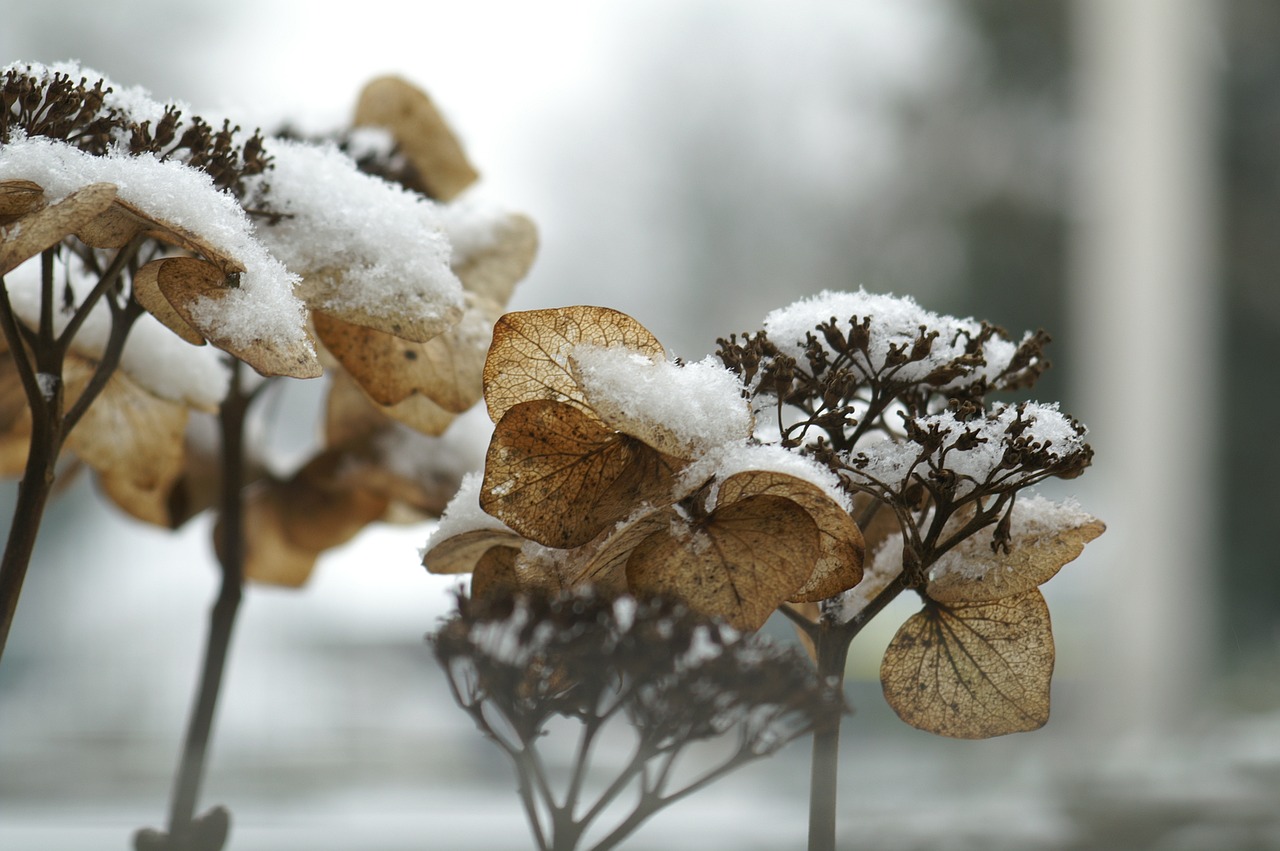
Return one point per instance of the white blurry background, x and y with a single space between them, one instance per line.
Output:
696 164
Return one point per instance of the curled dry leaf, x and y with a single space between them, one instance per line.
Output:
418 128
44 227
972 670
492 272
351 415
839 564
133 440
446 369
738 563
462 553
529 357
972 573
557 476
494 575
270 557
324 504
186 282
17 198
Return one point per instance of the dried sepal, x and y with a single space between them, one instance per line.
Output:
738 563
188 283
463 552
44 227
972 670
557 476
322 291
135 441
494 575
974 573
18 198
421 132
326 504
146 291
529 357
270 556
446 369
494 271
839 564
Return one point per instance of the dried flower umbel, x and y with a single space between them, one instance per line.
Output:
671 677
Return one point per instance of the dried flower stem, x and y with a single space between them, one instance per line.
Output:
39 357
184 828
831 642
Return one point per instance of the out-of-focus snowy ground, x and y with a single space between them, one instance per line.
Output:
337 731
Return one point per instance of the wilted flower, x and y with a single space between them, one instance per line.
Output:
613 466
672 677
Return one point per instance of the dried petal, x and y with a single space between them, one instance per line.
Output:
972 573
739 563
529 357
187 281
494 271
557 476
839 565
413 121
45 227
972 670
19 197
462 553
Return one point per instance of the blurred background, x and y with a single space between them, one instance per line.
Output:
1105 171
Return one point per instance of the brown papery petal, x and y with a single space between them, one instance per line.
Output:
146 291
418 128
447 369
461 553
185 281
327 291
740 563
494 271
558 477
972 670
321 506
270 557
19 197
1031 561
494 576
134 440
839 566
529 358
45 227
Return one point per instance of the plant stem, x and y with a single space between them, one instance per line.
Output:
832 650
222 618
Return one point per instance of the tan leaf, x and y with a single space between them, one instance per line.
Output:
45 227
529 357
494 271
839 567
461 553
494 576
146 291
606 565
739 563
19 197
187 281
122 221
328 291
557 476
420 131
351 415
446 369
270 557
132 439
323 504
972 670
972 573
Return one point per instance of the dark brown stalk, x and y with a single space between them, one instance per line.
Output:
39 357
186 832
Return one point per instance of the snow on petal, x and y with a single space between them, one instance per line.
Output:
365 248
